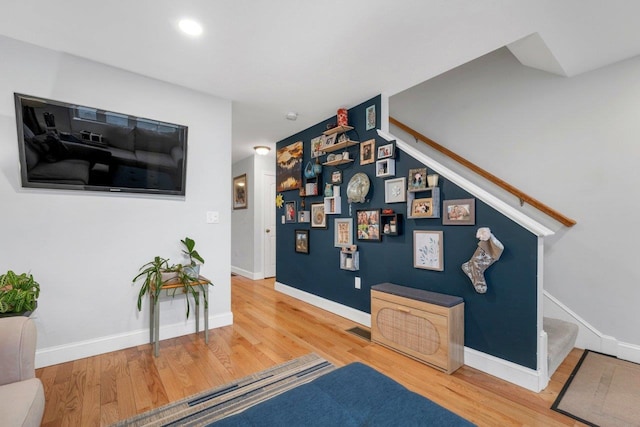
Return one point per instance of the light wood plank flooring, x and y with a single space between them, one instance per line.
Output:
270 328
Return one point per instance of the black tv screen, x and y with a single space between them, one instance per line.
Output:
69 146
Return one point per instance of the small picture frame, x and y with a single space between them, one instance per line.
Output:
240 192
428 250
318 217
304 216
302 241
367 151
422 208
459 212
417 179
330 140
316 146
371 117
290 212
395 190
336 177
343 233
387 151
368 224
385 167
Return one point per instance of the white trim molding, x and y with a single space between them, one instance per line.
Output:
331 306
78 350
588 336
505 209
248 274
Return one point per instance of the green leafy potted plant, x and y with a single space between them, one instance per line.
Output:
152 278
156 274
18 293
190 284
190 251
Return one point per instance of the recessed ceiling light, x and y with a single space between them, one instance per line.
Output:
190 27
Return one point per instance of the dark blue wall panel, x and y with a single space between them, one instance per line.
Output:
501 322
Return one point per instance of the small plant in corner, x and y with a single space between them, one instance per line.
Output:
18 292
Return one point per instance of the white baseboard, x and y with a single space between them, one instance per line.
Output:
589 337
508 371
325 304
78 350
246 273
519 375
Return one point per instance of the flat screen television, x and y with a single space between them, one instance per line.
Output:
68 146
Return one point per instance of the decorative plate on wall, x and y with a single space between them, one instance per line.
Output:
358 188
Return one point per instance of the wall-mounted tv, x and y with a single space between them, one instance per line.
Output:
68 146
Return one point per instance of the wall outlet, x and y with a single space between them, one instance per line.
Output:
357 283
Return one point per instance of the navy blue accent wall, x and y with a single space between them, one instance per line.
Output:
501 322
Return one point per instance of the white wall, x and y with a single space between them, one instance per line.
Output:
571 143
242 224
84 248
247 241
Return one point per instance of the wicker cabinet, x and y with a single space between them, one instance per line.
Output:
424 325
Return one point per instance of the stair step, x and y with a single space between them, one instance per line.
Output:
561 338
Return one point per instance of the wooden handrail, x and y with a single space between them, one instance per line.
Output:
524 198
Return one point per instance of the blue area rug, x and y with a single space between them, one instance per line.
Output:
355 395
307 391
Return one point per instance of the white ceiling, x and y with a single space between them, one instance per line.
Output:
311 57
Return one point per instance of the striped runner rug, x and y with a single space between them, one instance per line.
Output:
207 407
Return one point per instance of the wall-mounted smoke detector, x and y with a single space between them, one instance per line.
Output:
291 115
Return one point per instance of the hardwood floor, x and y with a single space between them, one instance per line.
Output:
270 328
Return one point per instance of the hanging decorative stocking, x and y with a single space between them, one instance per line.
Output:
489 251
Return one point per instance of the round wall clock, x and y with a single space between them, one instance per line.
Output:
358 188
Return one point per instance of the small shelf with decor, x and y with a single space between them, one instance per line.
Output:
340 146
423 203
340 161
350 259
337 129
391 224
337 140
332 205
312 186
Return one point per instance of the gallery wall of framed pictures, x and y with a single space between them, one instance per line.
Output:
403 230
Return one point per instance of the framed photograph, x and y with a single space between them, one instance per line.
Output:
385 167
371 117
316 146
304 216
395 190
367 150
289 167
343 235
290 212
427 250
302 241
318 218
240 192
422 208
369 224
329 140
459 212
336 177
417 179
387 151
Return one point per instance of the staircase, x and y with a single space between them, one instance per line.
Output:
561 338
